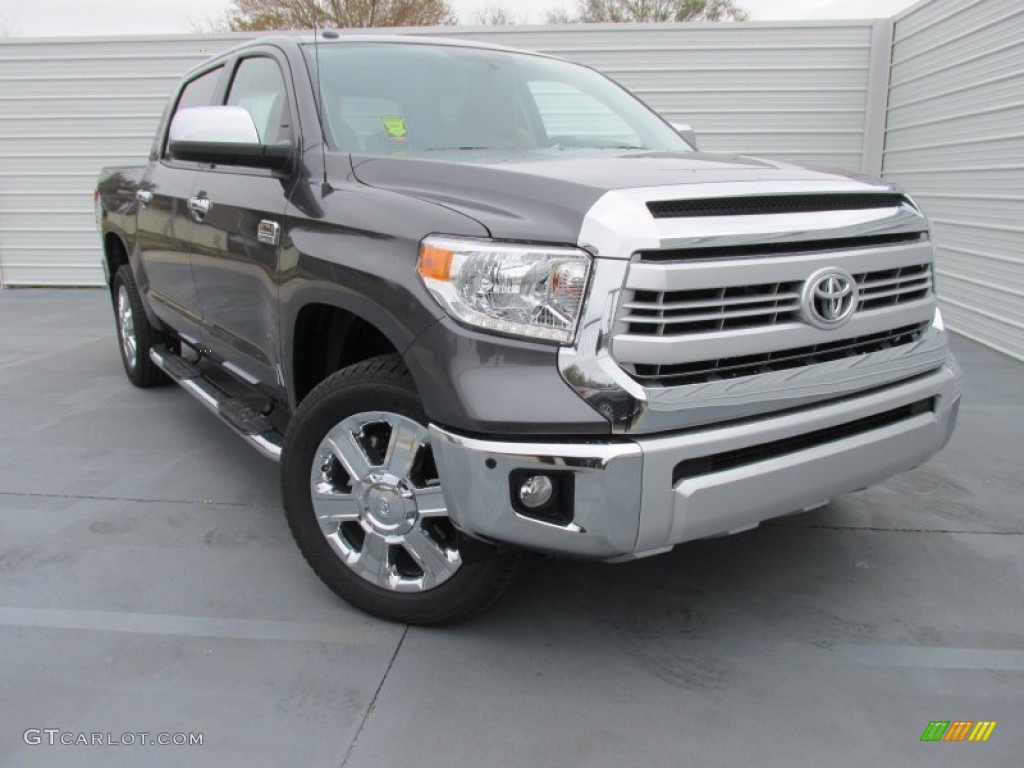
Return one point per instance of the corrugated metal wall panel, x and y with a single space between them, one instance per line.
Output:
67 108
958 30
71 106
955 139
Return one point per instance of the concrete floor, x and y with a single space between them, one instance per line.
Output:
148 583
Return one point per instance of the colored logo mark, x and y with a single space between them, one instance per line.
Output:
958 730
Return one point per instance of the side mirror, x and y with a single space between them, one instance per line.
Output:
686 131
225 136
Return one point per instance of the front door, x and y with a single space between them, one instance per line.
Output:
236 214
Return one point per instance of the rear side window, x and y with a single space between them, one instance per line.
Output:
199 92
259 88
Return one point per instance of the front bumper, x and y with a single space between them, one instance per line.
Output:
641 496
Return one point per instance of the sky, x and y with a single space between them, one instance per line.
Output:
46 18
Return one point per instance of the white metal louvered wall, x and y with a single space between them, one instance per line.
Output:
955 139
68 107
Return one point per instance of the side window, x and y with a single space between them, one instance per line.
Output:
571 114
259 88
199 92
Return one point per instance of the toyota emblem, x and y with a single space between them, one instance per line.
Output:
829 298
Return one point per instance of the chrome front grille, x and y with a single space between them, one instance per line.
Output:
727 305
712 309
783 248
735 307
889 287
780 360
727 298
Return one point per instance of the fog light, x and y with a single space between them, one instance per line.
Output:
536 491
548 495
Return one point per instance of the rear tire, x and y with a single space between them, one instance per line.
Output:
135 335
364 502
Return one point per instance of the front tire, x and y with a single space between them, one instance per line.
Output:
135 335
364 502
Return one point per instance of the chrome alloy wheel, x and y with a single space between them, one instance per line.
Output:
126 327
379 503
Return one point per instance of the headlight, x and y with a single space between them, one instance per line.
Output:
524 290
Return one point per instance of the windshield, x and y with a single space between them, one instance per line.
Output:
408 98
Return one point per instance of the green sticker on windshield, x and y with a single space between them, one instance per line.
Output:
394 126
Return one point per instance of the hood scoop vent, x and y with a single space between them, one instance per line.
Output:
773 204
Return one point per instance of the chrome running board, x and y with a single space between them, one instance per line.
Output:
247 423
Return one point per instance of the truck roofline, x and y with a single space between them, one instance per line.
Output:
298 39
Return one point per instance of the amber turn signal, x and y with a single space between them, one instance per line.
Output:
435 263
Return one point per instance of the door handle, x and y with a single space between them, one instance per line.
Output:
144 196
200 206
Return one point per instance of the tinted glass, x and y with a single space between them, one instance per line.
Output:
199 92
259 88
566 111
402 98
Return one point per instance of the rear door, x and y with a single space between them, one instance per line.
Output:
164 222
235 243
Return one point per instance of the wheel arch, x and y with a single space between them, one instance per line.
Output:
326 336
115 254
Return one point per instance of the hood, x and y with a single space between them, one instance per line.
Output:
544 197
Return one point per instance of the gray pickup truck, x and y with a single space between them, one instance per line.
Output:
480 301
